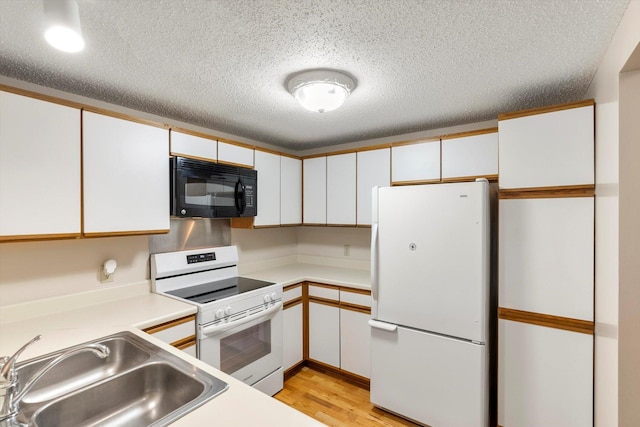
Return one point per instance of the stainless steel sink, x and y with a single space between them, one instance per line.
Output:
138 384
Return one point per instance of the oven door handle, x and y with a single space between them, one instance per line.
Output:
216 329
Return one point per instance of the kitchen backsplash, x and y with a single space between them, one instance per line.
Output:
187 233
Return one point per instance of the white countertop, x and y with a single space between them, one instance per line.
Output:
240 405
88 319
295 273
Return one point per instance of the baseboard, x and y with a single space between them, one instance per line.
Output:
349 377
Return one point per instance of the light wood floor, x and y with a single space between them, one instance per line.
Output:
333 401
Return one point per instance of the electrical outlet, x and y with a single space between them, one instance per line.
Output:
347 250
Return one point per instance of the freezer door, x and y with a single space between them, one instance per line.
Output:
428 378
433 258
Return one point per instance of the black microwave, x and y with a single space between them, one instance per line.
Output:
211 190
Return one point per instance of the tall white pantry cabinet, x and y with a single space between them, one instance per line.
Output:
546 267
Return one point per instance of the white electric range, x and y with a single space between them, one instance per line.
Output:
239 320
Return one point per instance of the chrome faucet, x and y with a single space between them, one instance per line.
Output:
10 396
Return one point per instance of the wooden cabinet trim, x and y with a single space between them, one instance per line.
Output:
293 286
31 237
41 97
185 342
124 233
170 324
239 165
469 133
543 110
194 133
346 375
355 307
323 285
127 117
189 156
420 182
245 222
292 303
547 320
236 143
355 290
324 301
490 178
415 141
587 190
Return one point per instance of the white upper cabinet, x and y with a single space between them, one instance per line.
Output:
268 167
470 156
374 169
341 189
315 190
290 190
548 149
126 176
415 162
235 154
40 172
196 147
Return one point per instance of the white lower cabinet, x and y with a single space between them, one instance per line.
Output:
293 336
324 333
355 342
545 376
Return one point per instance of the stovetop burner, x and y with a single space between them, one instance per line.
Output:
219 289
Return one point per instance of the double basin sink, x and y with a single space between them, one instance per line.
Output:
138 384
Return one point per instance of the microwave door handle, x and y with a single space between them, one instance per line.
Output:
216 329
240 196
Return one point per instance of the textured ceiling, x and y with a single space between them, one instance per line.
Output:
420 64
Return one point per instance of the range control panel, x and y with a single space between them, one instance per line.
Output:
209 256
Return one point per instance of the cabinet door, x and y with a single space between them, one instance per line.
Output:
292 338
185 145
470 156
341 189
290 190
374 169
126 176
324 333
545 376
355 342
315 190
550 149
415 162
235 154
268 167
40 173
547 255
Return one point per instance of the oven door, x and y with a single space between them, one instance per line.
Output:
248 351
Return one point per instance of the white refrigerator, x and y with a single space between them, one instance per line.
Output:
430 254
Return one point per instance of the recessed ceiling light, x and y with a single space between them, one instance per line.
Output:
321 90
62 25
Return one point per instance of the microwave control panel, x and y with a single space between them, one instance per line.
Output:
209 256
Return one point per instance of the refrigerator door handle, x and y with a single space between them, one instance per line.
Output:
389 327
374 261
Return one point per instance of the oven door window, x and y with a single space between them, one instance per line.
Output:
209 192
245 347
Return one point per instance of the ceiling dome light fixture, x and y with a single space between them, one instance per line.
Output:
321 90
62 25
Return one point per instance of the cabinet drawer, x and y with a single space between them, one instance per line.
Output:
324 292
292 294
175 330
355 298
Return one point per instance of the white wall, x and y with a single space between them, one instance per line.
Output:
629 300
604 89
258 249
37 270
329 242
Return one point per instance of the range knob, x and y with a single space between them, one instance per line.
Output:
274 296
227 311
219 313
267 298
